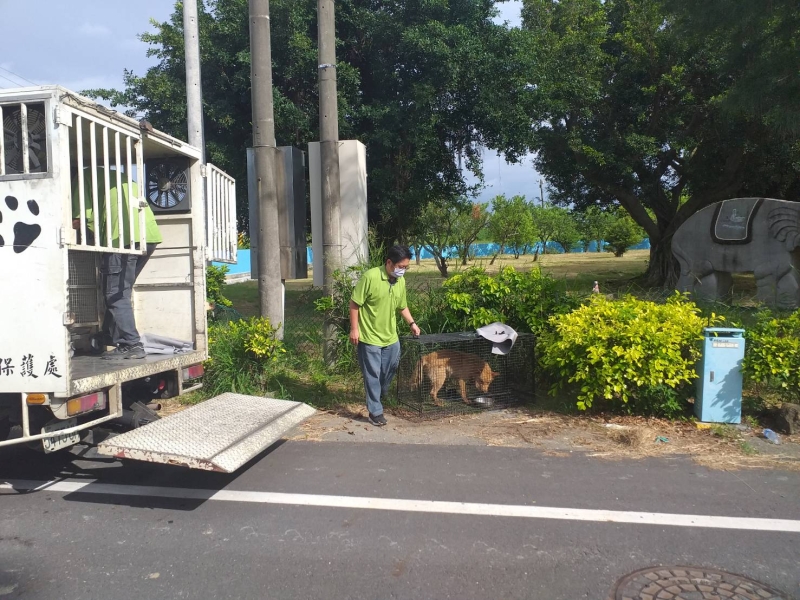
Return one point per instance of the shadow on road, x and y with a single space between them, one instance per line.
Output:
20 466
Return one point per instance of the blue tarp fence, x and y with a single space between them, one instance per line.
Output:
478 250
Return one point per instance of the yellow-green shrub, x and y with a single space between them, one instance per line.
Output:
242 356
623 350
773 353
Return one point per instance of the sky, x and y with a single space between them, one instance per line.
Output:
82 44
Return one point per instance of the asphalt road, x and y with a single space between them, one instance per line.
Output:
93 543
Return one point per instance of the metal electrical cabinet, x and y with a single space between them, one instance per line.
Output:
719 387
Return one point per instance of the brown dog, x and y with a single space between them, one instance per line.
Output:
461 366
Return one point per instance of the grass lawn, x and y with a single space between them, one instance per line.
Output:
579 271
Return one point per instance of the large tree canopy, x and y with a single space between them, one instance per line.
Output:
422 83
629 110
759 49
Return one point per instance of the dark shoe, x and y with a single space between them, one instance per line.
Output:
136 351
114 354
377 420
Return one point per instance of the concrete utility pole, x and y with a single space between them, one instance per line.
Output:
194 88
541 192
270 288
329 155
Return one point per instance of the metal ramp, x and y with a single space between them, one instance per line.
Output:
221 434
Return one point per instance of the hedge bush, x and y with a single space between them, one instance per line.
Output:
626 350
243 355
525 301
773 353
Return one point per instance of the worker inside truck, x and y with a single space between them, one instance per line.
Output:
119 270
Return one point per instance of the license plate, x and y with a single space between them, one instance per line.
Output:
58 442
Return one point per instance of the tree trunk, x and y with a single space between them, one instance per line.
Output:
441 264
418 254
663 269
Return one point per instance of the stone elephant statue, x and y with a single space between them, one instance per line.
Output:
742 235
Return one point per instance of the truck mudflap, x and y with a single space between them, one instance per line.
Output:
221 434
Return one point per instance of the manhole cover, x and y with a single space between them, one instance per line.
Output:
687 583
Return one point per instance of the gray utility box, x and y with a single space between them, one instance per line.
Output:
719 387
290 182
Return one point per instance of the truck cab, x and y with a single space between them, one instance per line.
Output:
61 155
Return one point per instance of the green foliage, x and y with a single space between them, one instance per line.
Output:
243 356
592 224
773 353
525 301
758 48
565 232
621 234
243 241
556 224
336 309
420 83
660 401
436 231
629 107
215 281
511 224
626 350
428 305
467 228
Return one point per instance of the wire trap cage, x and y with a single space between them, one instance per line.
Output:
448 374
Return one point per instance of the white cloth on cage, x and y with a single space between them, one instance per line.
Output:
502 337
159 344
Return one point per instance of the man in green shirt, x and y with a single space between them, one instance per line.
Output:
119 270
379 295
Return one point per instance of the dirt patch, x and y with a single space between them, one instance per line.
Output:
722 447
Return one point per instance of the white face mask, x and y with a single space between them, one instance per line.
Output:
398 272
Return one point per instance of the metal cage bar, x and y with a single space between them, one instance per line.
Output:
221 225
221 241
95 183
107 187
233 239
81 179
132 198
139 150
119 154
120 194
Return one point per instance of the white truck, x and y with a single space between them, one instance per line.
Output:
59 154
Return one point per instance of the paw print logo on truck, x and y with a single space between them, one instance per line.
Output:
24 233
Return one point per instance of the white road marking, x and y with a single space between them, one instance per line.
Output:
403 505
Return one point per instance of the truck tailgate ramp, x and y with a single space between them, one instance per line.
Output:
220 434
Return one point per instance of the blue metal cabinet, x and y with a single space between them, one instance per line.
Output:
719 387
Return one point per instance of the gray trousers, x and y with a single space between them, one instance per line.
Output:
378 366
119 274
